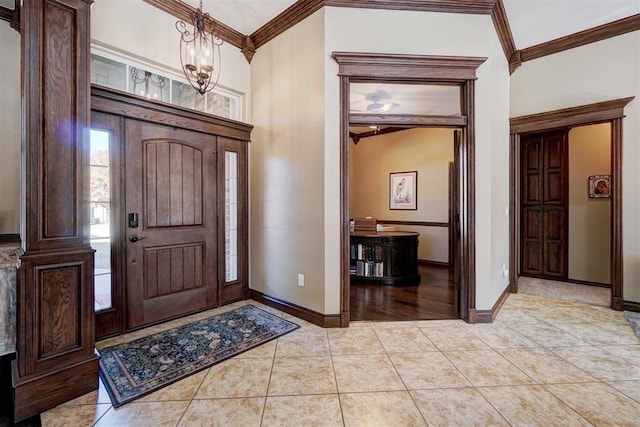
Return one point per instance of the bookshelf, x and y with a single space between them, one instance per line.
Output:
384 258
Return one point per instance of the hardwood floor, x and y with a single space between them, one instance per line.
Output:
432 299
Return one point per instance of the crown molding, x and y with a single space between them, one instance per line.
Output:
592 35
304 8
183 11
285 20
478 7
503 29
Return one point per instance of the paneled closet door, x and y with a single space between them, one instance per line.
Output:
544 205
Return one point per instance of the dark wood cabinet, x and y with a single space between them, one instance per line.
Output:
544 205
385 258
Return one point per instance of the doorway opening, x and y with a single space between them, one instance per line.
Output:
458 72
611 112
425 205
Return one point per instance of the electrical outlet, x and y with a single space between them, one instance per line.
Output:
300 279
505 270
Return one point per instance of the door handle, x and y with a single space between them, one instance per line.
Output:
133 238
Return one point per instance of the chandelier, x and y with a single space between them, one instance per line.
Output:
200 51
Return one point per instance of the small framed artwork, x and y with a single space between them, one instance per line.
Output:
599 186
403 187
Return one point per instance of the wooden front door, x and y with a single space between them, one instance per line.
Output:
544 205
171 242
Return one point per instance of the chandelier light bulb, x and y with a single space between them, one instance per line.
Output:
200 51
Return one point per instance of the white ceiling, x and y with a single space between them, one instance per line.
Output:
244 16
538 21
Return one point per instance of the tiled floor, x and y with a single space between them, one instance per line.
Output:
542 362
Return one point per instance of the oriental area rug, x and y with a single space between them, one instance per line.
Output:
136 368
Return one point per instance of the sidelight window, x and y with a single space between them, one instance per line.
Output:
100 216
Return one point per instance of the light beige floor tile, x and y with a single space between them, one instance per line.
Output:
302 375
244 412
184 389
548 335
394 408
487 368
629 353
453 338
407 339
360 324
393 325
308 343
304 325
237 378
439 323
354 341
544 366
595 335
531 406
456 407
144 414
498 336
295 411
516 316
557 315
73 415
366 373
427 370
599 403
262 351
621 328
629 388
98 396
600 364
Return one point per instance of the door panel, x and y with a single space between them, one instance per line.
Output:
532 170
172 255
544 197
532 241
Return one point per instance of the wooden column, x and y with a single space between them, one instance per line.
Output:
56 360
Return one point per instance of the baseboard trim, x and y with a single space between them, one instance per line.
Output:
433 263
10 238
319 319
588 283
488 316
632 306
617 303
41 391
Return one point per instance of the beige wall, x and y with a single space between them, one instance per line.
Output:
286 166
10 125
427 151
589 219
424 33
602 71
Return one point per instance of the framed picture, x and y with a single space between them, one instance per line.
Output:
403 192
599 186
